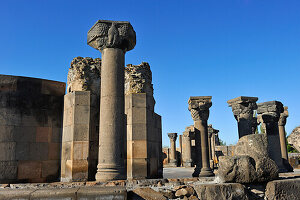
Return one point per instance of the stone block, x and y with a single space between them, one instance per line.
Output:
102 193
30 120
29 169
22 151
136 115
137 149
54 151
68 133
6 133
8 151
78 169
43 134
50 169
137 131
81 132
68 118
56 134
8 171
66 151
283 189
146 193
53 88
80 150
54 194
24 133
82 98
82 115
139 100
16 194
38 151
221 191
137 168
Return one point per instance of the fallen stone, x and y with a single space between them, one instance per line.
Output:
184 191
283 189
221 191
146 193
251 162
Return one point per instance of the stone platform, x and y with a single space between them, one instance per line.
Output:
287 187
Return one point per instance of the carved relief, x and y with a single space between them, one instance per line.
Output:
172 136
283 116
112 34
199 107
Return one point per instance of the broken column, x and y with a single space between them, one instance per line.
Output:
186 148
212 134
242 108
173 160
269 114
199 108
144 136
112 39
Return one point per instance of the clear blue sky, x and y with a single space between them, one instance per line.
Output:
224 49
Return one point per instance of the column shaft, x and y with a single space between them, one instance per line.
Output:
186 151
284 153
111 133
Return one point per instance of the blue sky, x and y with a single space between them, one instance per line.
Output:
223 49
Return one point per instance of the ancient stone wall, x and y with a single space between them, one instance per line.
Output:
30 129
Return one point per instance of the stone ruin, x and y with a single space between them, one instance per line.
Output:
111 134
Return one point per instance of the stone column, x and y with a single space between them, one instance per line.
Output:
112 39
281 127
269 115
242 108
173 160
199 108
186 149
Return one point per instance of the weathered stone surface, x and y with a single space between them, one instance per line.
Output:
251 162
184 191
283 190
84 75
138 79
233 191
111 192
147 194
294 138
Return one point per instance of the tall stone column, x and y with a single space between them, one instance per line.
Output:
112 39
242 108
199 108
173 160
269 115
186 149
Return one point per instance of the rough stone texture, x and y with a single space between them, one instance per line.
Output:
283 190
251 162
294 138
84 75
138 79
233 191
30 128
242 108
147 194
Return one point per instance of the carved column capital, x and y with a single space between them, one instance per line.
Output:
242 107
172 136
199 107
111 34
283 116
269 111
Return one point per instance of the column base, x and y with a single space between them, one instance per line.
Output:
108 174
187 164
206 172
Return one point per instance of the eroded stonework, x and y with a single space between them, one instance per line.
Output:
84 75
294 138
138 79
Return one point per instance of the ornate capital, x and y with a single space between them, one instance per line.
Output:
283 116
111 34
199 107
269 111
242 107
212 131
172 136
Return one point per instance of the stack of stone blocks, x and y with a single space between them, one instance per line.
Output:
30 129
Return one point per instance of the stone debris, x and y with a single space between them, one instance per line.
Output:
251 162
